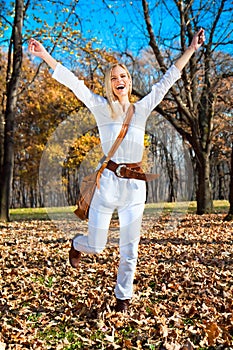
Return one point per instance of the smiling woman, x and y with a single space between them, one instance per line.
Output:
126 193
118 85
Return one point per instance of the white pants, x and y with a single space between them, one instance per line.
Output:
128 197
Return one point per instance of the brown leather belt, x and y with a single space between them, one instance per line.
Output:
130 171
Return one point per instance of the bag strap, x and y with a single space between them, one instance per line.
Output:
117 142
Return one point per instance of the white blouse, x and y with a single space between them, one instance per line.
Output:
131 149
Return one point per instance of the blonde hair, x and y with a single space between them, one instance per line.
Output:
113 101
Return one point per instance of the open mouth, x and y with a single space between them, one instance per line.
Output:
120 87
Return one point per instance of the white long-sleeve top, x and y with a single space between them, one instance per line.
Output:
131 149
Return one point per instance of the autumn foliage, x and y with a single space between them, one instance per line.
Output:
183 287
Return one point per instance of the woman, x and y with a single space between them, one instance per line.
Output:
127 195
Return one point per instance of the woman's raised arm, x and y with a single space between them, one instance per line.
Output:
197 41
37 49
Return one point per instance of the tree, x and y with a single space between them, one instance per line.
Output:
195 100
13 72
39 116
13 77
229 216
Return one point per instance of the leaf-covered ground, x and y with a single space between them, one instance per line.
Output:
183 288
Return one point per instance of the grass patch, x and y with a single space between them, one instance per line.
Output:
21 214
162 208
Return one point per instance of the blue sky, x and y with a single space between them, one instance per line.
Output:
119 24
125 19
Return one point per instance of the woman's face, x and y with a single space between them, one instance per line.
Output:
120 82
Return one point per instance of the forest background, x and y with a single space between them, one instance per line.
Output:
46 133
48 141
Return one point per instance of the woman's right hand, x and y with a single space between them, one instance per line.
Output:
36 48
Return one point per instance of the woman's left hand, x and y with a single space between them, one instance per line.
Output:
198 39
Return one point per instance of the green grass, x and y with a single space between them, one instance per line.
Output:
20 214
220 207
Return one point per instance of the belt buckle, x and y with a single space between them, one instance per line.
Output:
118 170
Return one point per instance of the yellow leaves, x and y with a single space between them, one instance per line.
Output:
147 141
163 330
81 148
110 338
128 344
213 331
182 289
65 9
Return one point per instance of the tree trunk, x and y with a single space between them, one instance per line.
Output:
229 216
204 192
221 184
2 124
13 72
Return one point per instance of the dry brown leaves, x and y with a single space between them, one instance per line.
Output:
183 289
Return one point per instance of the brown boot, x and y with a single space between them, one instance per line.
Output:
122 305
74 257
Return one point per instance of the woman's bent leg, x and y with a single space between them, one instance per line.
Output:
98 225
